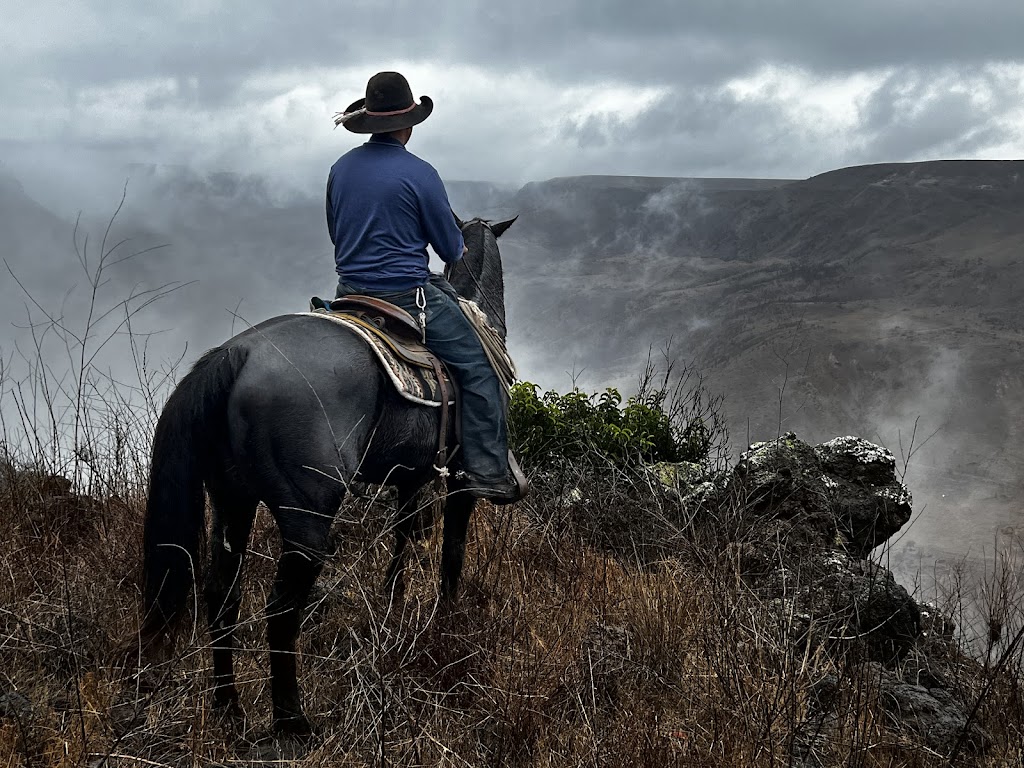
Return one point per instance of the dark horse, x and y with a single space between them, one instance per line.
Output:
289 413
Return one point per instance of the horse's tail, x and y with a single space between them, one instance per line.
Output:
193 420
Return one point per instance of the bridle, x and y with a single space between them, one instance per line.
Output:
476 280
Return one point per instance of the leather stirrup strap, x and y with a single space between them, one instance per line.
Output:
441 462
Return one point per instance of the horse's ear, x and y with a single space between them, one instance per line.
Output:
499 229
458 221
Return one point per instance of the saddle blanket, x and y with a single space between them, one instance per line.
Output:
414 383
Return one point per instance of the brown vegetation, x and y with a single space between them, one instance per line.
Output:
562 652
602 622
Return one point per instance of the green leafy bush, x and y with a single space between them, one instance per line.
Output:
573 426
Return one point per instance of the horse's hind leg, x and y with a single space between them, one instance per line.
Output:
457 511
407 524
232 522
304 546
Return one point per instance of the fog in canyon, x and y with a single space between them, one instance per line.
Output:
870 300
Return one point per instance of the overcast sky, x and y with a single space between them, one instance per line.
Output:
523 91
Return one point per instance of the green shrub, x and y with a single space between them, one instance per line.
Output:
569 427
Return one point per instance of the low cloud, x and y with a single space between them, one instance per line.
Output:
783 89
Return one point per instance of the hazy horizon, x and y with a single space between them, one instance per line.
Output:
238 102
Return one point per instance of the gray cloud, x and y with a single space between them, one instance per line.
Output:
927 114
663 88
98 41
781 130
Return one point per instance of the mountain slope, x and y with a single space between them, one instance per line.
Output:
868 297
864 298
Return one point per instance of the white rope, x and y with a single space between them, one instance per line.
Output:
493 344
340 118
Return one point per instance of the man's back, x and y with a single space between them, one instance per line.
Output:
384 206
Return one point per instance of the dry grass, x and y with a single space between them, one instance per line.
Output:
560 653
599 624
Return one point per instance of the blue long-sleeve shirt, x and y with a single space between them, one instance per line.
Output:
384 206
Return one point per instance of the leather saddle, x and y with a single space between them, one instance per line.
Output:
390 318
397 328
392 323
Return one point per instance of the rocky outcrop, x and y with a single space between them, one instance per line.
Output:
854 608
865 496
781 482
800 522
846 486
936 712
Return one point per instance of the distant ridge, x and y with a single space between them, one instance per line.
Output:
957 171
655 183
962 170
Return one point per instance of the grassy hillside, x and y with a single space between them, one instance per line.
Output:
603 621
560 653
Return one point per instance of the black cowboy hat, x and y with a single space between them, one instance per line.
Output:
388 106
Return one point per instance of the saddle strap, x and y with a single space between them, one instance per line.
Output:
441 462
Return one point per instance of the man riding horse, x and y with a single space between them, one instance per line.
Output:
292 410
385 205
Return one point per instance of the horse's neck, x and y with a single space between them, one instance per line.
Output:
486 292
494 309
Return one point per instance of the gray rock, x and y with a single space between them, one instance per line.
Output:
15 706
705 496
937 714
847 605
855 459
868 501
846 487
782 479
875 613
677 475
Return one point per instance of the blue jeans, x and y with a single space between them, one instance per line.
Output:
481 399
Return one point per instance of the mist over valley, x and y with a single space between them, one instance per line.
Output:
868 300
